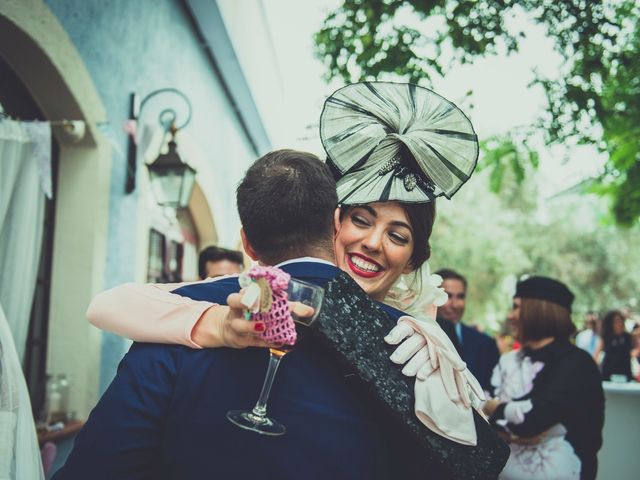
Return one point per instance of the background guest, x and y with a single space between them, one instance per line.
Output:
216 261
616 345
550 403
479 350
635 352
588 338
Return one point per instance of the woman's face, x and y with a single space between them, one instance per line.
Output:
374 243
514 316
618 325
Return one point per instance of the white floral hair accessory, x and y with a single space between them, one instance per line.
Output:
416 292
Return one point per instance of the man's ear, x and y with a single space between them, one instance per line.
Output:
248 248
336 221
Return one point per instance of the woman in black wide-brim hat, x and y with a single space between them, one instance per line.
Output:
549 401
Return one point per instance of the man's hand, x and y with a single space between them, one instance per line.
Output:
227 326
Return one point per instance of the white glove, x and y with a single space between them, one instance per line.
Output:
514 412
445 390
425 349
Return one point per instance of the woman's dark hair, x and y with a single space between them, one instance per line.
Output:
421 217
541 319
607 325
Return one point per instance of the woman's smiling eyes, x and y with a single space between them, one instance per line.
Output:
400 239
363 222
360 220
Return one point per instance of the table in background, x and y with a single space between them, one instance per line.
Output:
618 458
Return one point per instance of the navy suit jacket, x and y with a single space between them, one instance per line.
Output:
481 354
163 416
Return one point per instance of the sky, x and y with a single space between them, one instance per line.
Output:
501 100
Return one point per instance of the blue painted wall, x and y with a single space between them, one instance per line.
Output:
140 46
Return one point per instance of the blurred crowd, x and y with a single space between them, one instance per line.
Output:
542 376
612 338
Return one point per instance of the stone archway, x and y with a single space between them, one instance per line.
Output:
203 218
38 49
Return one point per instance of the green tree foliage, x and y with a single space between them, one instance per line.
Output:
594 100
506 153
495 239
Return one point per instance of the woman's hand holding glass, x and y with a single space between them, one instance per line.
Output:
304 304
227 326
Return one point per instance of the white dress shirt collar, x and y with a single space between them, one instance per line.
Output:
305 259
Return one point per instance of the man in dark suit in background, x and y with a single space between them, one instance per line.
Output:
479 350
216 261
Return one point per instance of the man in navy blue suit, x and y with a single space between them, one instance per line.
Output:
478 350
164 414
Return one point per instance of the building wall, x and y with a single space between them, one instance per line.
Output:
252 40
38 49
139 47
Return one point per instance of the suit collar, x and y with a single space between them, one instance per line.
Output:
309 270
305 259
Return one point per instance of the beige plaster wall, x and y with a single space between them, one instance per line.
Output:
36 46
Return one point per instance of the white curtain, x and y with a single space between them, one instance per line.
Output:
25 179
19 452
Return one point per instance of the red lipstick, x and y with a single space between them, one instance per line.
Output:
358 271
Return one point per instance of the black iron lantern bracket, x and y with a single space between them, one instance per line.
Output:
167 118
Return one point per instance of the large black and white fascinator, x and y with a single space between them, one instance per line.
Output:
392 141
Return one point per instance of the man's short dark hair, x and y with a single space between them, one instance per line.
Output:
448 274
286 203
216 254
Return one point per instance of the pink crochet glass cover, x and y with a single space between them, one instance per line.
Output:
280 328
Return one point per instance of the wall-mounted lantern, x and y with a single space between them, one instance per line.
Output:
172 180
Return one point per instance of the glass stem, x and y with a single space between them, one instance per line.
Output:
261 406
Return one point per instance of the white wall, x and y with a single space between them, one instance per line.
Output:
253 42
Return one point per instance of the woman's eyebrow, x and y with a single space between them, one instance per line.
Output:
396 223
401 224
370 210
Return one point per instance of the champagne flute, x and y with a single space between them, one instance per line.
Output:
256 420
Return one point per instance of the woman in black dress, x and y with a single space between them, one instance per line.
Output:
616 344
549 401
